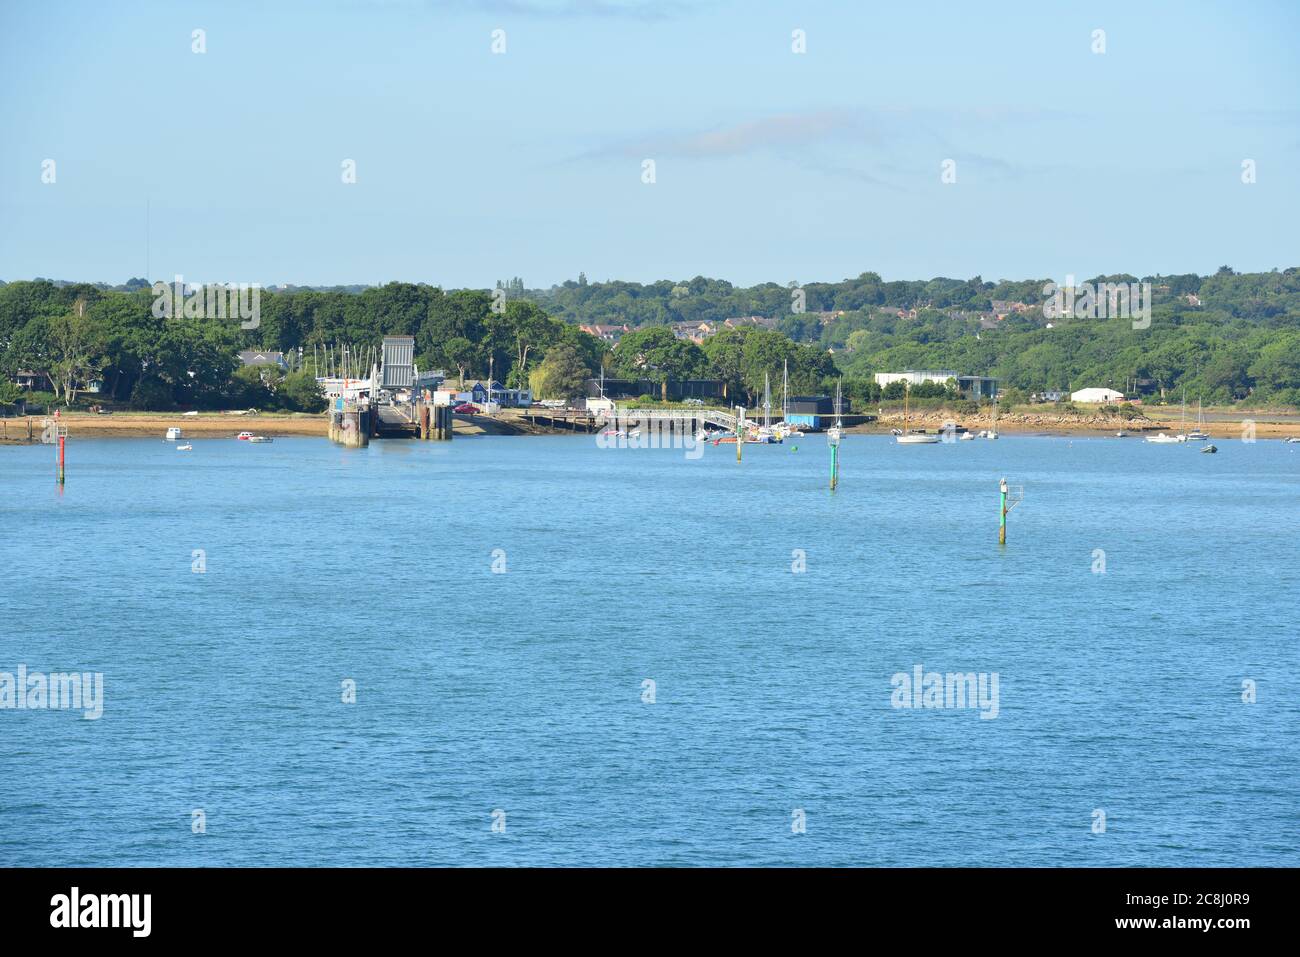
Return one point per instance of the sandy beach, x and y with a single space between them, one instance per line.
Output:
205 425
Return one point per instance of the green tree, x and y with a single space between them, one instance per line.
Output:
75 343
300 392
460 352
561 375
657 354
10 393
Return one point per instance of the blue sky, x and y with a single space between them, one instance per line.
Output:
770 165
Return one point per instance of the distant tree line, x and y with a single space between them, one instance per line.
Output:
1224 337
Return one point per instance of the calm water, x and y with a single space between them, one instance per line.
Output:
523 691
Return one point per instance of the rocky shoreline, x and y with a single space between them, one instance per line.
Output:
1066 422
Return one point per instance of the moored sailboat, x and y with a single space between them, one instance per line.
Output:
836 431
1199 434
912 438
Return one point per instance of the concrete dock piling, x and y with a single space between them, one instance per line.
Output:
442 425
350 426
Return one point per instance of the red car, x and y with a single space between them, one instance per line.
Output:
466 408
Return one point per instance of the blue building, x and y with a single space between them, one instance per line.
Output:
810 411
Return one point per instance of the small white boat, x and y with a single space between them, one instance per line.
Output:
1121 435
967 437
260 438
189 413
244 436
173 434
1210 448
1164 438
992 431
184 448
1293 440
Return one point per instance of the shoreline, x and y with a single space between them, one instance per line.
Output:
1036 423
13 431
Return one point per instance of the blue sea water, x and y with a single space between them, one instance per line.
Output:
522 691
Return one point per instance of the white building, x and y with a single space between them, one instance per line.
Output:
971 386
1096 395
913 377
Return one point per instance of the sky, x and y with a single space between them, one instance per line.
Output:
769 165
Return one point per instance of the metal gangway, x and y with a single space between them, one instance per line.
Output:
717 417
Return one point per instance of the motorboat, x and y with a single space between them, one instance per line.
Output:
244 436
1210 449
173 434
184 448
260 438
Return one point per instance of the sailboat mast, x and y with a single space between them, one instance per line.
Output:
785 390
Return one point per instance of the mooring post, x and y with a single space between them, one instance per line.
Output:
1002 526
61 455
835 458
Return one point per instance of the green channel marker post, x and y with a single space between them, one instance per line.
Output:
833 438
1002 527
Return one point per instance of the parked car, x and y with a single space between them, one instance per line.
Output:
466 408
